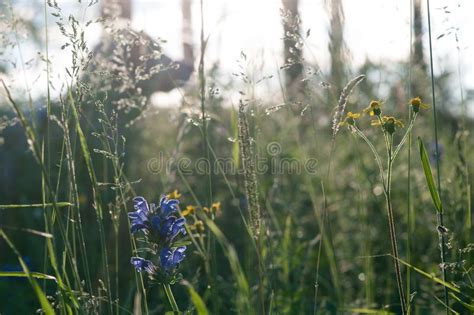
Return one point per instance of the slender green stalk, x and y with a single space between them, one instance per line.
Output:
96 195
170 296
212 274
118 177
74 191
387 185
409 222
405 136
374 151
409 205
391 223
442 241
47 144
369 294
116 250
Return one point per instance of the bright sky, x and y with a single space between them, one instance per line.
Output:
378 29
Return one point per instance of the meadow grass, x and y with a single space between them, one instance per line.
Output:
259 239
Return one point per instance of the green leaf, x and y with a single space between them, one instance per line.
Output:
429 177
201 308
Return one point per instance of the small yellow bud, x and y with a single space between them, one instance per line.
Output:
416 104
189 210
174 194
374 108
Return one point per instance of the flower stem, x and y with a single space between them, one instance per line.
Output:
442 241
170 296
374 151
391 224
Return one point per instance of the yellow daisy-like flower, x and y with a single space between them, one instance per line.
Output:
416 104
389 123
189 210
350 119
173 195
374 108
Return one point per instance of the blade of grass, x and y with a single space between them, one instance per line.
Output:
236 268
96 195
45 305
438 169
427 275
23 274
409 193
60 204
31 138
199 304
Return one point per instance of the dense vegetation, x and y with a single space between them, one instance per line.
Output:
290 203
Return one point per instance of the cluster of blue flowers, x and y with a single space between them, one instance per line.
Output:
161 228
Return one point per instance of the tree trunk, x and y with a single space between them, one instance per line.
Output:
117 8
419 81
187 32
336 46
418 59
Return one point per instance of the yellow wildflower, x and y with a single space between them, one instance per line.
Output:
374 108
388 123
174 194
189 210
416 104
350 119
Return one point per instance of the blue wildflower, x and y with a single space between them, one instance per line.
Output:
171 226
171 257
142 264
140 216
145 213
163 227
168 206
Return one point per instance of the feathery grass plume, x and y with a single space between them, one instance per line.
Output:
248 164
341 106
